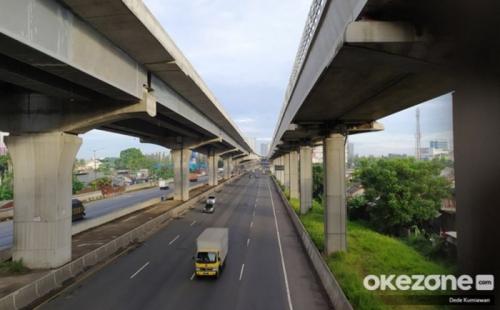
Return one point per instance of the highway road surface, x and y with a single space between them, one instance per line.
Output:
266 266
101 207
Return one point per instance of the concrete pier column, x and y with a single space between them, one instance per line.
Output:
306 179
476 125
334 193
280 172
180 158
213 170
43 165
286 172
294 174
227 168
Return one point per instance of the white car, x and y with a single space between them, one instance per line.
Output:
163 184
211 200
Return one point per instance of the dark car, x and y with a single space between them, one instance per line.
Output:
209 208
78 209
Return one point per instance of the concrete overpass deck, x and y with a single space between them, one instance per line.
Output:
362 60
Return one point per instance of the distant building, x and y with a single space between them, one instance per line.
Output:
317 156
93 164
439 144
264 149
349 156
428 153
3 147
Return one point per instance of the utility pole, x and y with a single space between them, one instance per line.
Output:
417 136
95 163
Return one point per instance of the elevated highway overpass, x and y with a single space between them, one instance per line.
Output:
67 67
362 60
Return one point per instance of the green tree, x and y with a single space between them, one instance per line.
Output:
6 179
318 182
132 159
77 185
401 192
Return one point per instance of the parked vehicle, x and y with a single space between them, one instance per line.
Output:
211 251
208 208
77 209
163 184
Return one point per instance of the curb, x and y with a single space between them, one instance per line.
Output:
330 284
56 278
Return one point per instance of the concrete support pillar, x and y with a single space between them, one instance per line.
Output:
227 168
294 174
280 172
334 193
213 169
476 125
180 158
306 179
286 173
43 165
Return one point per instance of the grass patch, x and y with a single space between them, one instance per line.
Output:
295 203
13 267
370 252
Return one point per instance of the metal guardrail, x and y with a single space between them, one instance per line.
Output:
312 22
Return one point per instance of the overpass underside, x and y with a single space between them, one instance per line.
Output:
365 60
67 67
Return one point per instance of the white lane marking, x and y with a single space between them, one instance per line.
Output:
241 272
251 224
253 212
248 242
192 277
140 269
173 240
192 223
290 306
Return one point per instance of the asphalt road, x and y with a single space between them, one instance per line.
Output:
266 266
100 208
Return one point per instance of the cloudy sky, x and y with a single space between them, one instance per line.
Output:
244 51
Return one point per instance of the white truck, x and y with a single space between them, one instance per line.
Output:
163 184
211 251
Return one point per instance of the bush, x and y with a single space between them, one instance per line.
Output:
432 246
77 185
356 208
100 183
13 266
6 188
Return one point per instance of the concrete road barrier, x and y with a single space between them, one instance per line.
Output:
332 287
56 278
90 196
82 226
